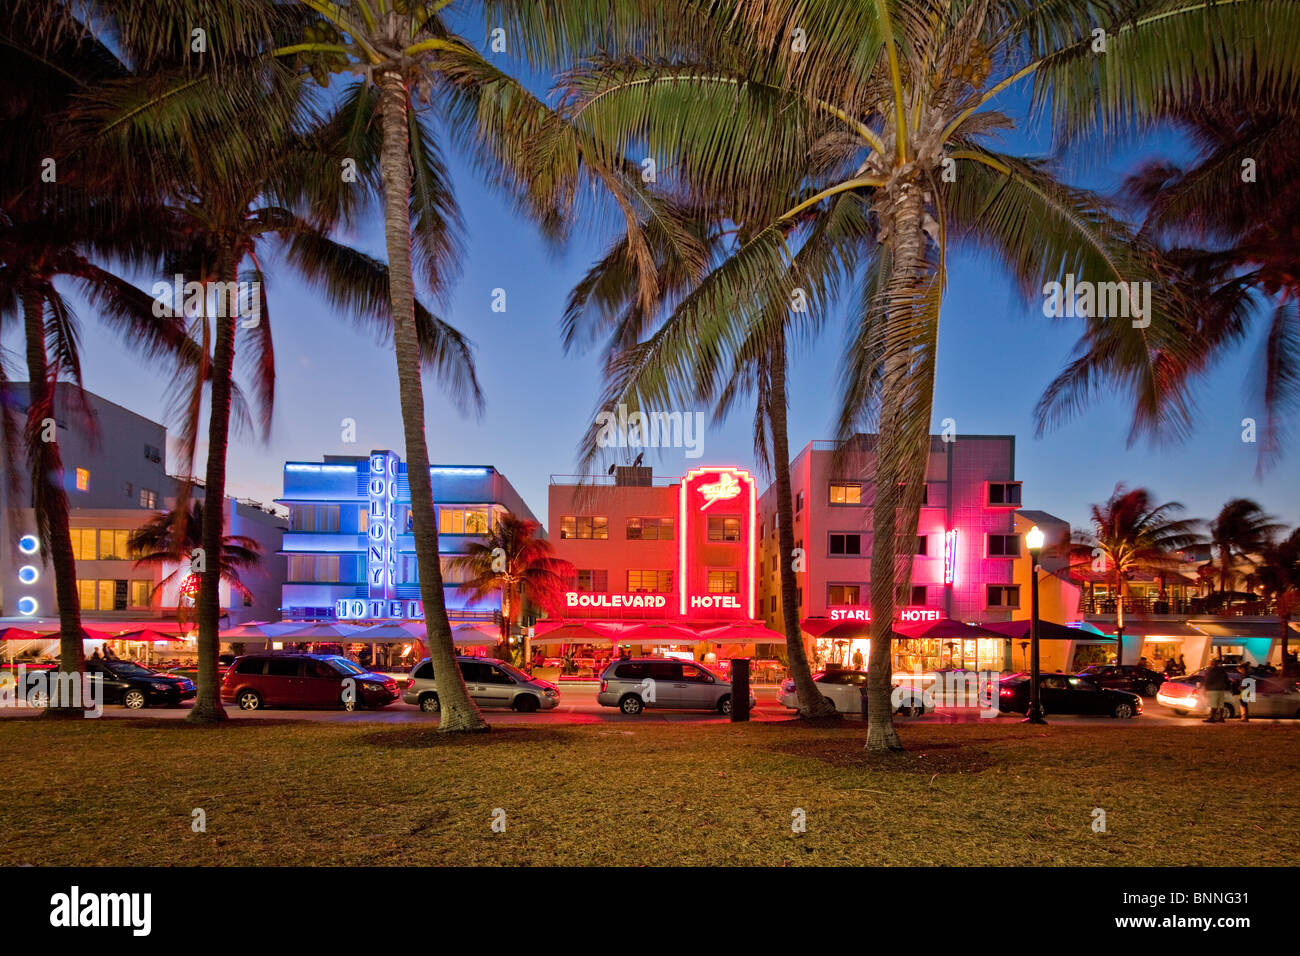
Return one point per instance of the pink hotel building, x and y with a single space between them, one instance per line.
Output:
967 553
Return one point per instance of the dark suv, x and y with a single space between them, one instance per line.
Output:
255 681
135 686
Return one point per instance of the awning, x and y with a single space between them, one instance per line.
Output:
1242 629
1137 628
742 633
658 633
1047 631
573 632
19 634
944 629
148 636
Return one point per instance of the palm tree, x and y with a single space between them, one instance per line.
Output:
68 228
244 157
407 53
1279 573
1239 533
878 116
515 565
158 544
1130 535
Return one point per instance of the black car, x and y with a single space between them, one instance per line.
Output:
1130 677
134 686
1067 694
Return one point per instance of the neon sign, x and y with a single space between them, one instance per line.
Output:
950 557
357 610
724 489
586 599
381 526
907 615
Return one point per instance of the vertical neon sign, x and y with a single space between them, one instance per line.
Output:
381 526
950 557
728 484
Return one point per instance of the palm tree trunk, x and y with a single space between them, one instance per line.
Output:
52 501
902 452
812 703
458 713
207 698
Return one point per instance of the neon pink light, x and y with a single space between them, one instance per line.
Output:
725 487
950 556
908 615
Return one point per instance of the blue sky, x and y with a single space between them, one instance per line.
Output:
997 353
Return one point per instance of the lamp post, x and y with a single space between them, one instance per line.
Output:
1034 541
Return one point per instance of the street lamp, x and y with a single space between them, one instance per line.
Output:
1034 541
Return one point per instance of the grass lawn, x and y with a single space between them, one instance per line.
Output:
123 791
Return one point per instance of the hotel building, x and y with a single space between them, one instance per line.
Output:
679 549
350 550
968 545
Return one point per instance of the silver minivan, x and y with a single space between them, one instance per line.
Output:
490 682
640 682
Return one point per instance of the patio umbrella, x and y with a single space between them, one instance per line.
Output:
944 629
574 632
370 633
660 633
1047 631
147 635
817 626
262 630
472 635
742 632
18 634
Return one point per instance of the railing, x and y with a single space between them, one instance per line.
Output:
1143 606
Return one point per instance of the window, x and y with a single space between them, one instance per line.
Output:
86 594
251 665
846 544
1003 546
724 528
1004 595
282 667
84 547
724 582
148 499
798 503
112 545
771 604
659 582
918 595
462 521
314 518
1002 494
595 527
141 593
650 529
104 594
83 479
129 489
774 564
691 672
313 567
152 453
846 494
363 520
843 594
595 580
922 544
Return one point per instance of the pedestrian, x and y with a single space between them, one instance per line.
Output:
95 656
1171 668
1247 690
1216 685
857 660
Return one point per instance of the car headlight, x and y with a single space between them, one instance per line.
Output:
159 685
551 692
371 685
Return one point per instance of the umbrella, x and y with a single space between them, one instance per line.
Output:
18 634
471 634
1047 631
574 632
369 633
262 630
742 632
148 635
817 626
944 629
660 633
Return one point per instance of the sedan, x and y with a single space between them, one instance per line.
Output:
1130 677
843 688
1067 694
134 686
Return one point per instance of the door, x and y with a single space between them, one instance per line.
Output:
666 687
1275 698
698 688
499 687
322 685
283 686
474 673
1055 695
105 686
1085 697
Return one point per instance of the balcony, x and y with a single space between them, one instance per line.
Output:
1176 607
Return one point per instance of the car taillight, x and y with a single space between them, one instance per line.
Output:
604 685
1006 692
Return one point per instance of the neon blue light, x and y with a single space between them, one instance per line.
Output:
27 606
446 470
317 469
28 544
28 574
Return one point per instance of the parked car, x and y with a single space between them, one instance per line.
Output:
843 688
255 681
1067 694
490 682
1275 695
640 682
135 686
1130 677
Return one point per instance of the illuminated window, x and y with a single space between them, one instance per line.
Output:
148 499
650 529
314 567
462 521
83 479
314 518
1004 595
649 580
595 580
846 494
363 520
86 594
844 594
1003 546
104 594
724 582
584 526
112 544
724 528
141 592
83 544
846 544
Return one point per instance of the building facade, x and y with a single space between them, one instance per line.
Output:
350 549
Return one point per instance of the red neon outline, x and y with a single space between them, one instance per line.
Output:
751 576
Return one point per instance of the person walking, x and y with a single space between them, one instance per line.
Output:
1247 690
1216 685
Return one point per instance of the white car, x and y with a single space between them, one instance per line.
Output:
1274 697
843 688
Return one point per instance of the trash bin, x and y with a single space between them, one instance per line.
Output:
739 689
